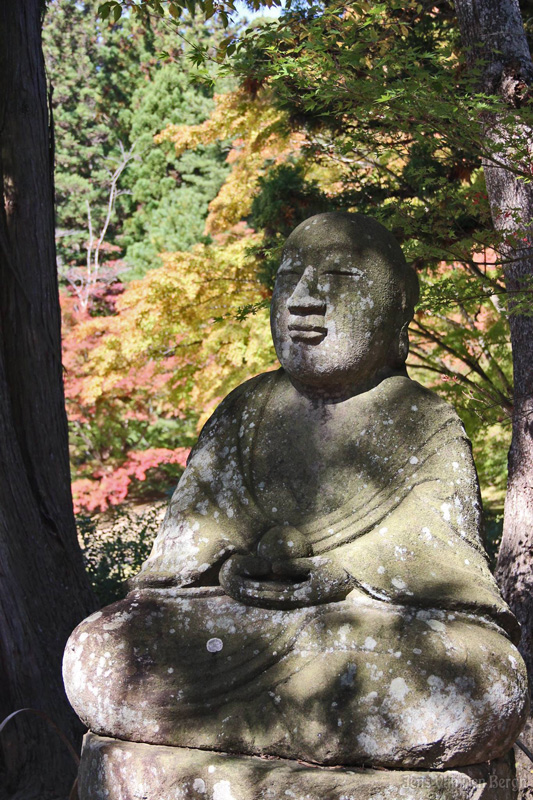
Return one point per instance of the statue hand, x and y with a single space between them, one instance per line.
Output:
287 583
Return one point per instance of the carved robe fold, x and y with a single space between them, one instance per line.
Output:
409 533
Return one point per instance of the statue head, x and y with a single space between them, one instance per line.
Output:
342 303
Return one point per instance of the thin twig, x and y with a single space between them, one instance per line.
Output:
50 721
521 746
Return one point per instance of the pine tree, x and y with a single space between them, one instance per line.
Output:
113 88
169 194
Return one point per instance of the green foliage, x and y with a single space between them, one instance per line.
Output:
389 123
284 199
392 123
113 91
383 96
112 9
493 535
91 70
111 94
169 194
115 548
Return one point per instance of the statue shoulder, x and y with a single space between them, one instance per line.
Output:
229 411
416 398
422 419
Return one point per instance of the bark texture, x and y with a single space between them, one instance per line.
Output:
493 35
44 591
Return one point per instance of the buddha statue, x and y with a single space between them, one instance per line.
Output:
319 589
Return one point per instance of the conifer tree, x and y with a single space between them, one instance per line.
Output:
113 89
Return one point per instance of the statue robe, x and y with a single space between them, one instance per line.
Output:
399 509
414 668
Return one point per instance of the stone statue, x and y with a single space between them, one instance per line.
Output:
319 589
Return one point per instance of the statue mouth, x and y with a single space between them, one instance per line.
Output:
310 329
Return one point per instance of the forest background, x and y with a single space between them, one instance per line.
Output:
353 105
177 181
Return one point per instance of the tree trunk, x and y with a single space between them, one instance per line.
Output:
494 38
44 591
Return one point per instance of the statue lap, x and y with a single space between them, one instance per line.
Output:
351 682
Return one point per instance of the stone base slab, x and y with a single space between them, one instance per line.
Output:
112 769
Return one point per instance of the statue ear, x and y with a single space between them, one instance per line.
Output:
401 346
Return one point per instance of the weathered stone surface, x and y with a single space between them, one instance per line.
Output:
357 681
115 770
319 587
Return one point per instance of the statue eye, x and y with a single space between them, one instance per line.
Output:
341 271
288 272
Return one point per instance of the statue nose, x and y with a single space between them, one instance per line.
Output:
305 299
306 304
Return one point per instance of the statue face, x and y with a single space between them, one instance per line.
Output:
336 308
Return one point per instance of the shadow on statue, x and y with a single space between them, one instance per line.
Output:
318 590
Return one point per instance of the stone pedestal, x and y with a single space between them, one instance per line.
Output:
112 769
